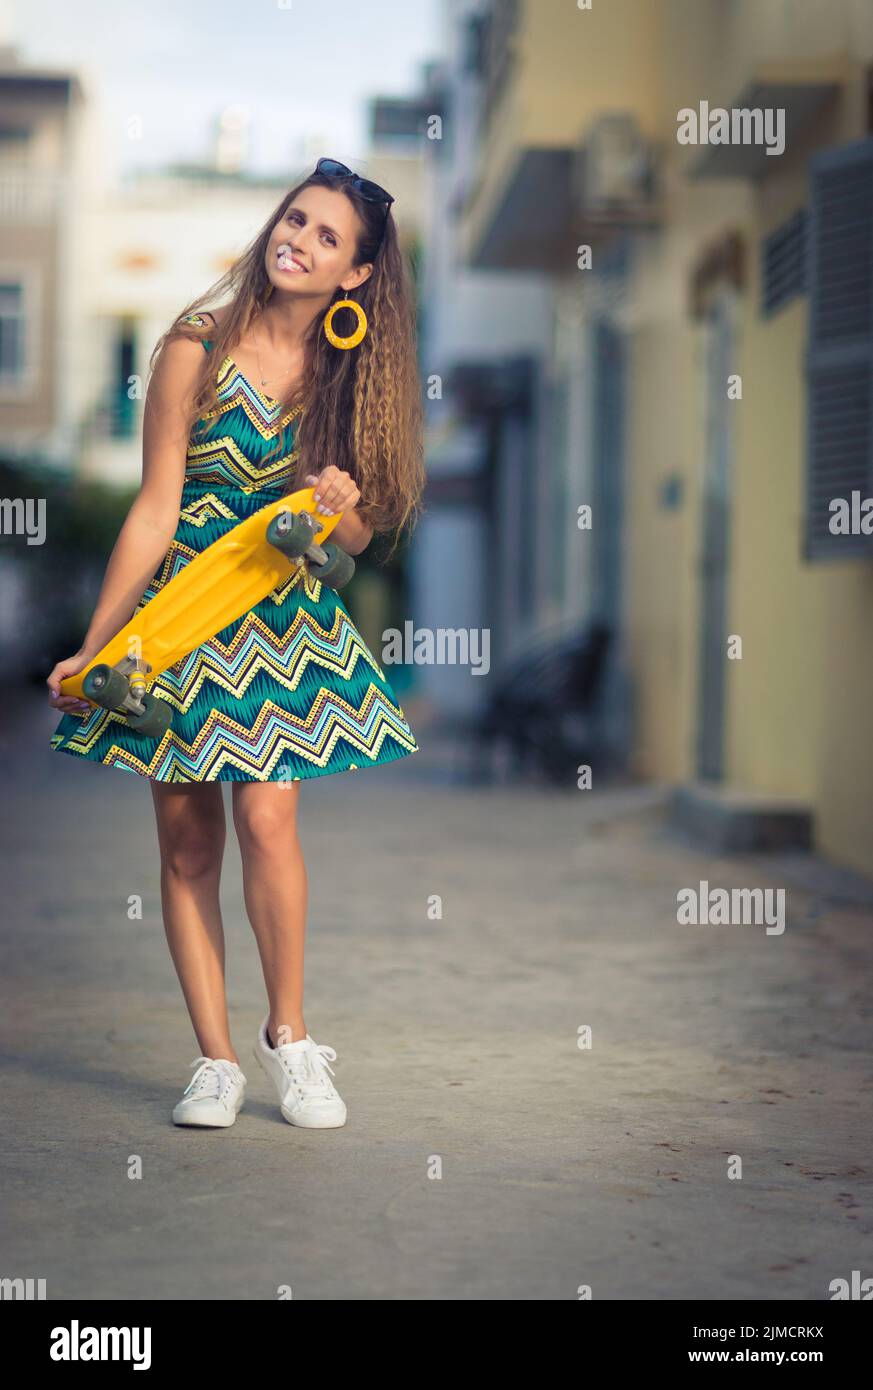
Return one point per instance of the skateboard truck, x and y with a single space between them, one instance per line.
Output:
294 534
123 687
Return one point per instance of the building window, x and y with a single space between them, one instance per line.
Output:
12 326
15 142
783 263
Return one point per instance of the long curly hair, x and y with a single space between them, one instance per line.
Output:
359 408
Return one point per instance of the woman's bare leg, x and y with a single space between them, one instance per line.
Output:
191 836
275 888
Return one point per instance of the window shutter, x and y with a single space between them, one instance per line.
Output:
839 361
783 269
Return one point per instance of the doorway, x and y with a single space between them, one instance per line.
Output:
720 362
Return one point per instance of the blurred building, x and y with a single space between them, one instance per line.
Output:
485 335
43 188
704 386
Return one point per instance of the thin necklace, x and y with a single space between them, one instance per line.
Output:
267 381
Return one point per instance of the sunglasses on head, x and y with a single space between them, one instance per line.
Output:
369 191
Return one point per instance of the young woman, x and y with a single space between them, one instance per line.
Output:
290 690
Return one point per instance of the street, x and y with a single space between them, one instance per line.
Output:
461 942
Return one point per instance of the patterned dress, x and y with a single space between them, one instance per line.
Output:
289 690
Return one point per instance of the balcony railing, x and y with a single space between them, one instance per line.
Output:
28 196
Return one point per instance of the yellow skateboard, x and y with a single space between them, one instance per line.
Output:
214 589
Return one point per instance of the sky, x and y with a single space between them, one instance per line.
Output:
303 71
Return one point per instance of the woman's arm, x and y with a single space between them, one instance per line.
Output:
151 522
352 534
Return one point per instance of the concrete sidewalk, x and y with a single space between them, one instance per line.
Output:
557 1166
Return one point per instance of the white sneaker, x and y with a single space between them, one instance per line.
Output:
214 1094
299 1070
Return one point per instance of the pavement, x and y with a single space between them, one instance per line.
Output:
552 1084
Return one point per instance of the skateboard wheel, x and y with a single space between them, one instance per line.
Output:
105 686
155 719
291 532
337 569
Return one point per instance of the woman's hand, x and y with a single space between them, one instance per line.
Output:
68 704
335 491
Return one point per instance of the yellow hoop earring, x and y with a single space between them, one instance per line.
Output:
354 338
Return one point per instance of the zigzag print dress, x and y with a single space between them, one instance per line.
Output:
288 691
